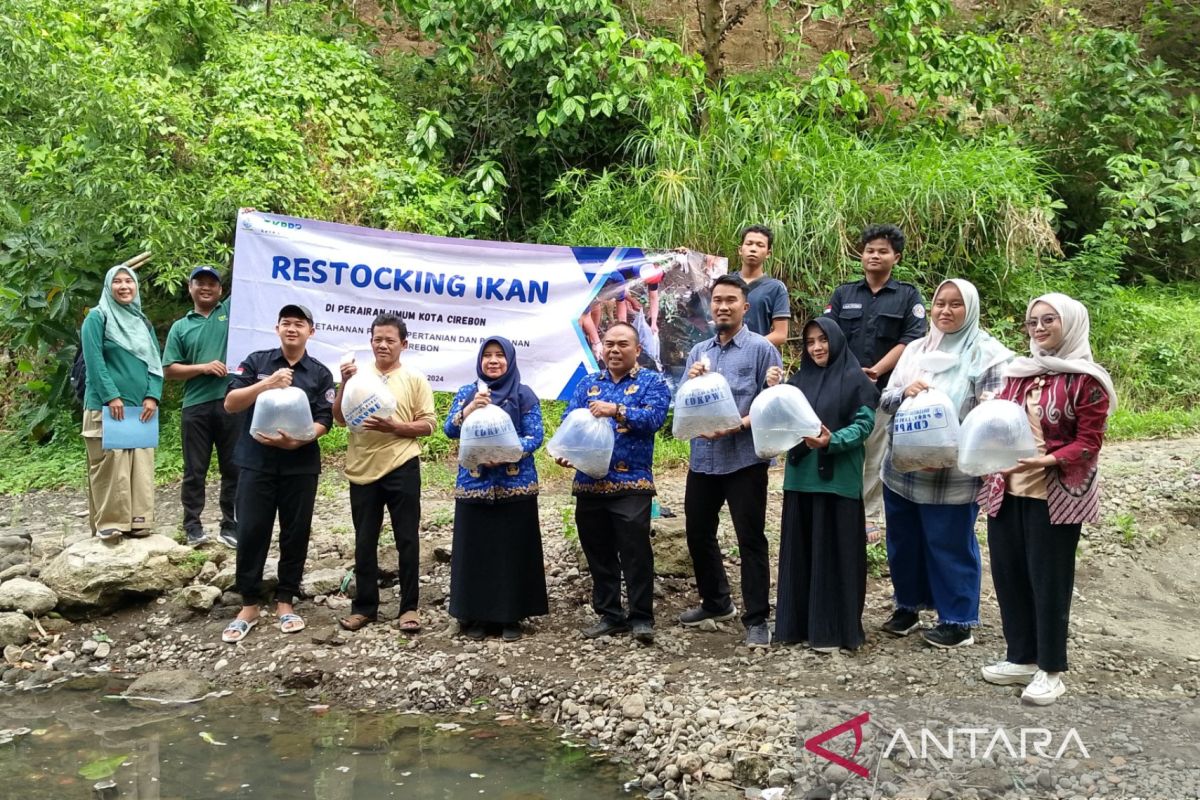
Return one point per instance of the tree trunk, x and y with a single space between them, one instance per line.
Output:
711 16
717 18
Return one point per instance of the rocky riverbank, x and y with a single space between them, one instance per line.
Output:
697 714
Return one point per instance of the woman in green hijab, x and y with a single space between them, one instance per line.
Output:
124 373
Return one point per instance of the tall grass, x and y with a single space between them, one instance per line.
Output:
967 206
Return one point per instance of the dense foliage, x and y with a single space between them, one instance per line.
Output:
1023 146
145 125
969 207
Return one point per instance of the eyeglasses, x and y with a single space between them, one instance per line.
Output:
1044 321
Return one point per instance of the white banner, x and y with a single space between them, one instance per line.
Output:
452 294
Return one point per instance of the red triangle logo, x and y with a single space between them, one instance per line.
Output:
813 745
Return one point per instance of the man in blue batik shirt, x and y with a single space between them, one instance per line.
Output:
612 514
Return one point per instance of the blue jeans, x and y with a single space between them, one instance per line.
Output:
934 558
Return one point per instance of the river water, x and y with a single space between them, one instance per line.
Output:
59 744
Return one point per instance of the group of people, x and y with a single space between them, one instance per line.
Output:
861 359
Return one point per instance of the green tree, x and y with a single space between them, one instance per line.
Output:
145 125
538 86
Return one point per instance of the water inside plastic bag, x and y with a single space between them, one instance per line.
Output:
364 396
488 437
993 437
780 417
704 406
284 410
584 440
925 433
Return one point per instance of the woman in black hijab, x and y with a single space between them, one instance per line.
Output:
822 582
496 573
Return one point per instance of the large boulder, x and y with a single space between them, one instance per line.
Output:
15 571
321 581
97 574
226 577
14 628
29 596
169 685
198 596
671 557
14 550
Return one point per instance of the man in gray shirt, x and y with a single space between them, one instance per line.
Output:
724 467
770 306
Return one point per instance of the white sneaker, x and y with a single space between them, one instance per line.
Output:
825 650
1044 690
1006 673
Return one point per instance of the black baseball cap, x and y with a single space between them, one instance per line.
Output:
204 269
295 310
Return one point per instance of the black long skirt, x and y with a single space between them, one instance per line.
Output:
496 570
822 584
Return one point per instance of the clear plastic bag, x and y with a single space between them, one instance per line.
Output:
585 441
488 437
704 406
925 433
284 410
993 437
366 395
780 417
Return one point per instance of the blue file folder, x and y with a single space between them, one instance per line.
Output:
129 433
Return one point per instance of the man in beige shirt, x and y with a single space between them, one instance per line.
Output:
383 466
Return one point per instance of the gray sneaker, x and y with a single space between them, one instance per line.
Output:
758 635
643 632
197 537
108 533
694 616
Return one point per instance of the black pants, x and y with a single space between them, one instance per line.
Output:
1033 568
204 426
746 492
615 535
260 495
400 493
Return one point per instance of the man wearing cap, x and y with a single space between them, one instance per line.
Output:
278 473
195 354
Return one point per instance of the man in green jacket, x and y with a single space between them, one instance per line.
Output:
195 354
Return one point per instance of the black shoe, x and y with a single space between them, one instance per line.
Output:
197 537
902 623
665 512
475 631
604 628
511 633
694 616
228 537
643 632
948 636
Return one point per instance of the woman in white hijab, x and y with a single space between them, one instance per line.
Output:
1036 510
932 551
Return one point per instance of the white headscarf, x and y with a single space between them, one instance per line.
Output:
1075 353
952 362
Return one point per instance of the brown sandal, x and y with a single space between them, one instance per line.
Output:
410 622
355 622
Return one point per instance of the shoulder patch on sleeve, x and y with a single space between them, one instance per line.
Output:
918 311
828 310
329 395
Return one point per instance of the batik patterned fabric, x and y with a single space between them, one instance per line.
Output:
1074 418
642 398
507 481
